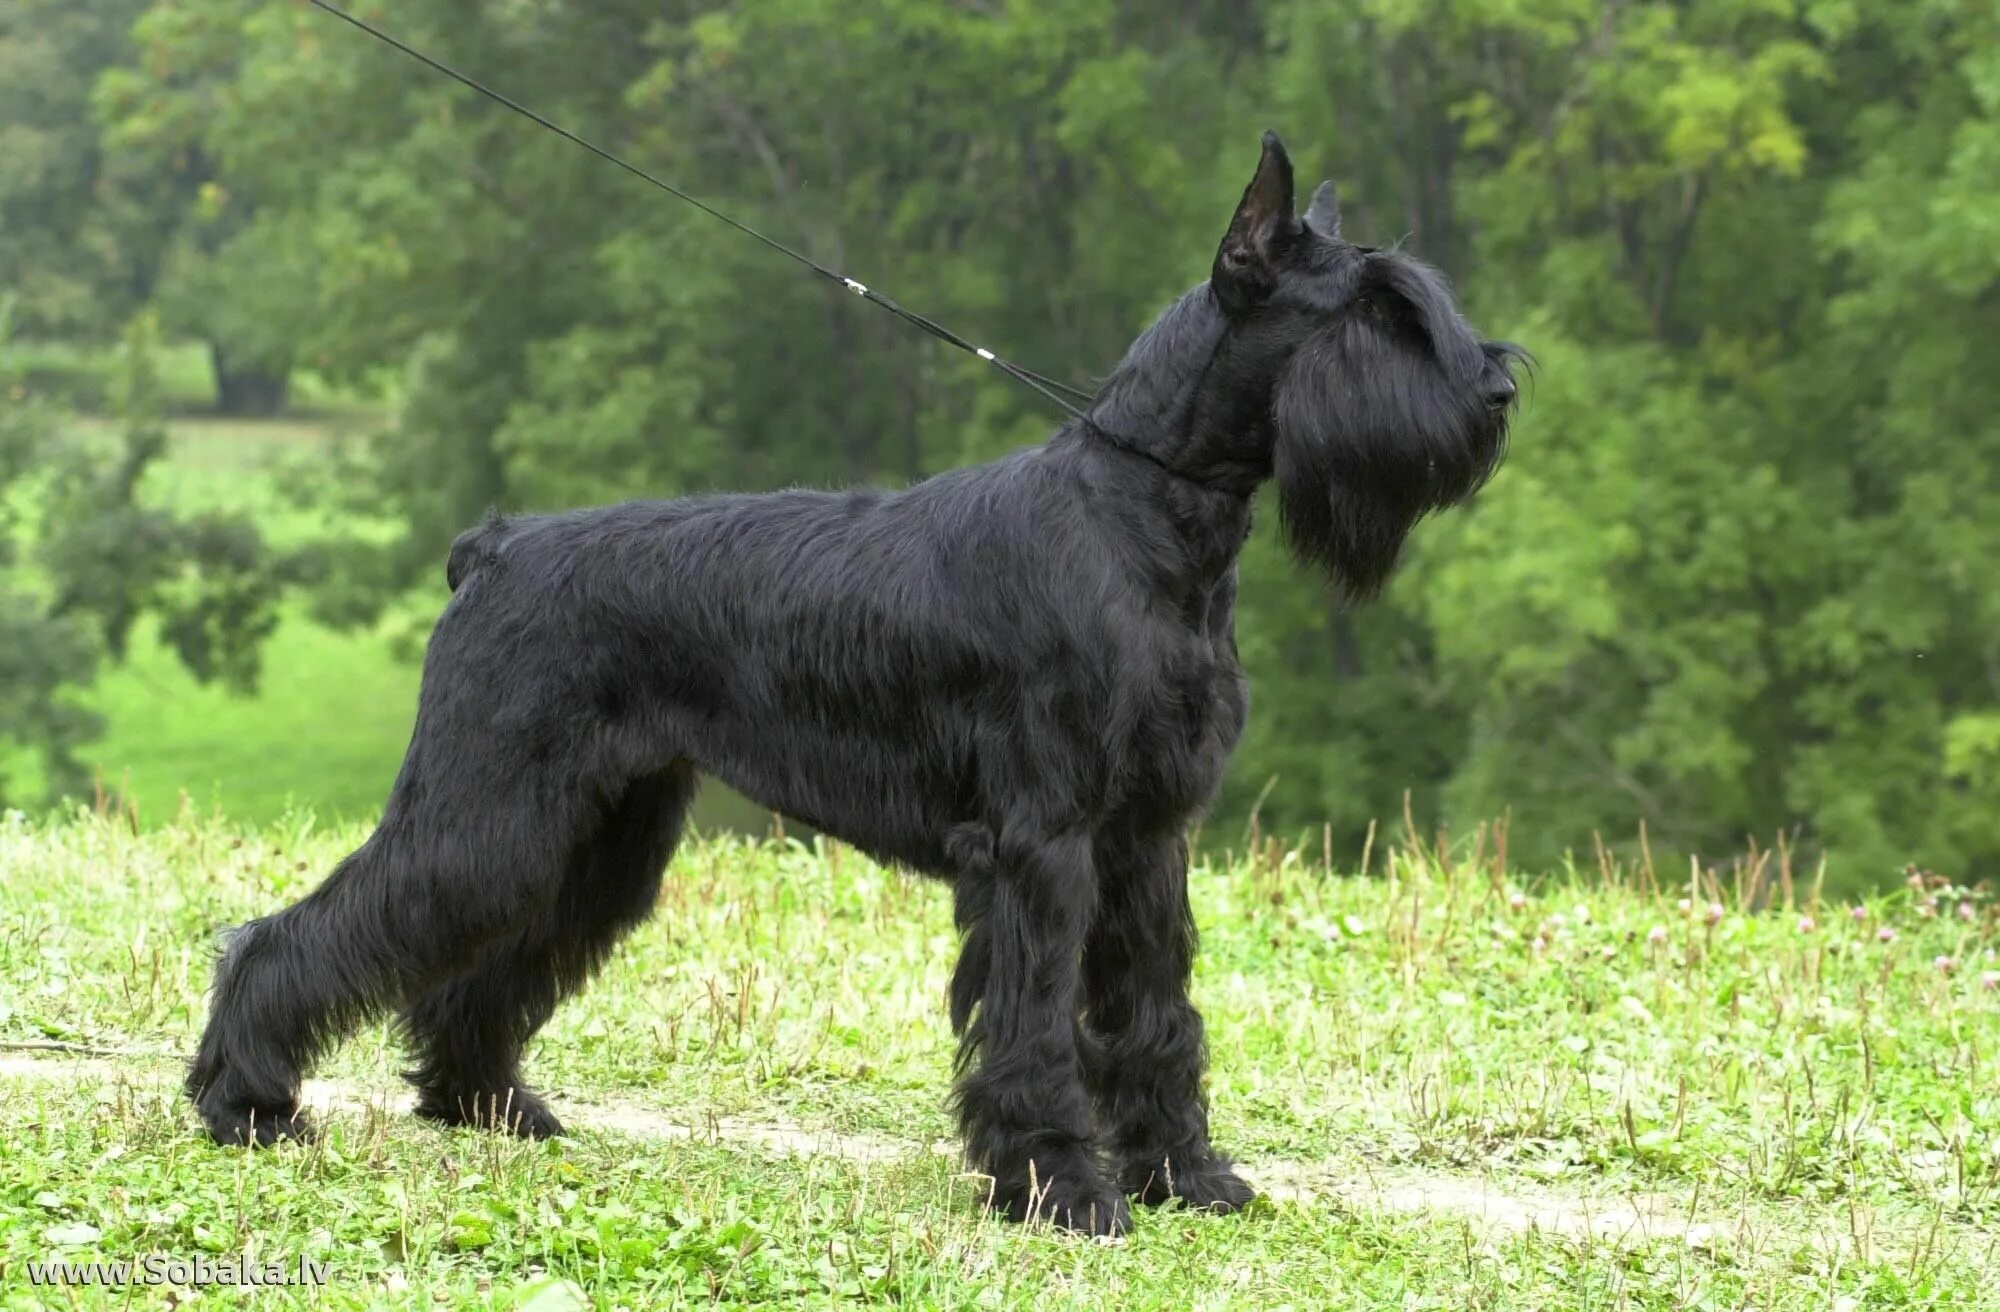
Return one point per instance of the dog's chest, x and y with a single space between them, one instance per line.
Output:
1189 712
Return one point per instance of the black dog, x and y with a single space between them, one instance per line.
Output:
1020 677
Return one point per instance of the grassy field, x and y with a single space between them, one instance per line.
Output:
83 375
334 708
333 711
1461 1089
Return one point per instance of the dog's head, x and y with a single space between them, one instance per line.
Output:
1385 404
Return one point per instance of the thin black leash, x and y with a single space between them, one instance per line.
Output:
1048 387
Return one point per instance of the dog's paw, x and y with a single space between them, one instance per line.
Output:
238 1126
1066 1190
514 1110
1094 1209
1209 1185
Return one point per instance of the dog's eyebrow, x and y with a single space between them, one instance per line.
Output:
1422 288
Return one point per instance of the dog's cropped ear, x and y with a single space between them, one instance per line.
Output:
1323 215
1246 267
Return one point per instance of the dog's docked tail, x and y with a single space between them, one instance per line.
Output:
473 548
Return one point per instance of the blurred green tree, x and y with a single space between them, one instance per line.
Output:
79 247
83 557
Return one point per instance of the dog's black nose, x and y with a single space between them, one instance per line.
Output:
1499 387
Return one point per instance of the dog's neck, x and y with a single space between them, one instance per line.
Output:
1175 401
1177 410
1142 449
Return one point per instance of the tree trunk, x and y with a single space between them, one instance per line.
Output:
247 391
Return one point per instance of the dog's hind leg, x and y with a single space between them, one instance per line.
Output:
451 873
1147 1053
1023 1107
467 1034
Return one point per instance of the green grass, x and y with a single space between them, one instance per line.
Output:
83 375
1441 1074
327 725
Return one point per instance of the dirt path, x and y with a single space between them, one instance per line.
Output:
1486 1203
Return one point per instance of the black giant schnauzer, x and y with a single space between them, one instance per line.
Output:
1020 677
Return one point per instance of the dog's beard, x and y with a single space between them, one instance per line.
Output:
1368 440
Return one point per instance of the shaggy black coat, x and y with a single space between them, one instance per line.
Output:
1020 677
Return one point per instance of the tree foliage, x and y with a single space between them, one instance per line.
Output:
84 557
78 249
1735 579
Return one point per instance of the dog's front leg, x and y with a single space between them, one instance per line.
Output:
1148 1054
1023 1106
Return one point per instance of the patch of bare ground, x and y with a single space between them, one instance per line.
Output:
1489 1204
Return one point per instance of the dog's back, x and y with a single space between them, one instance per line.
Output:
471 548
